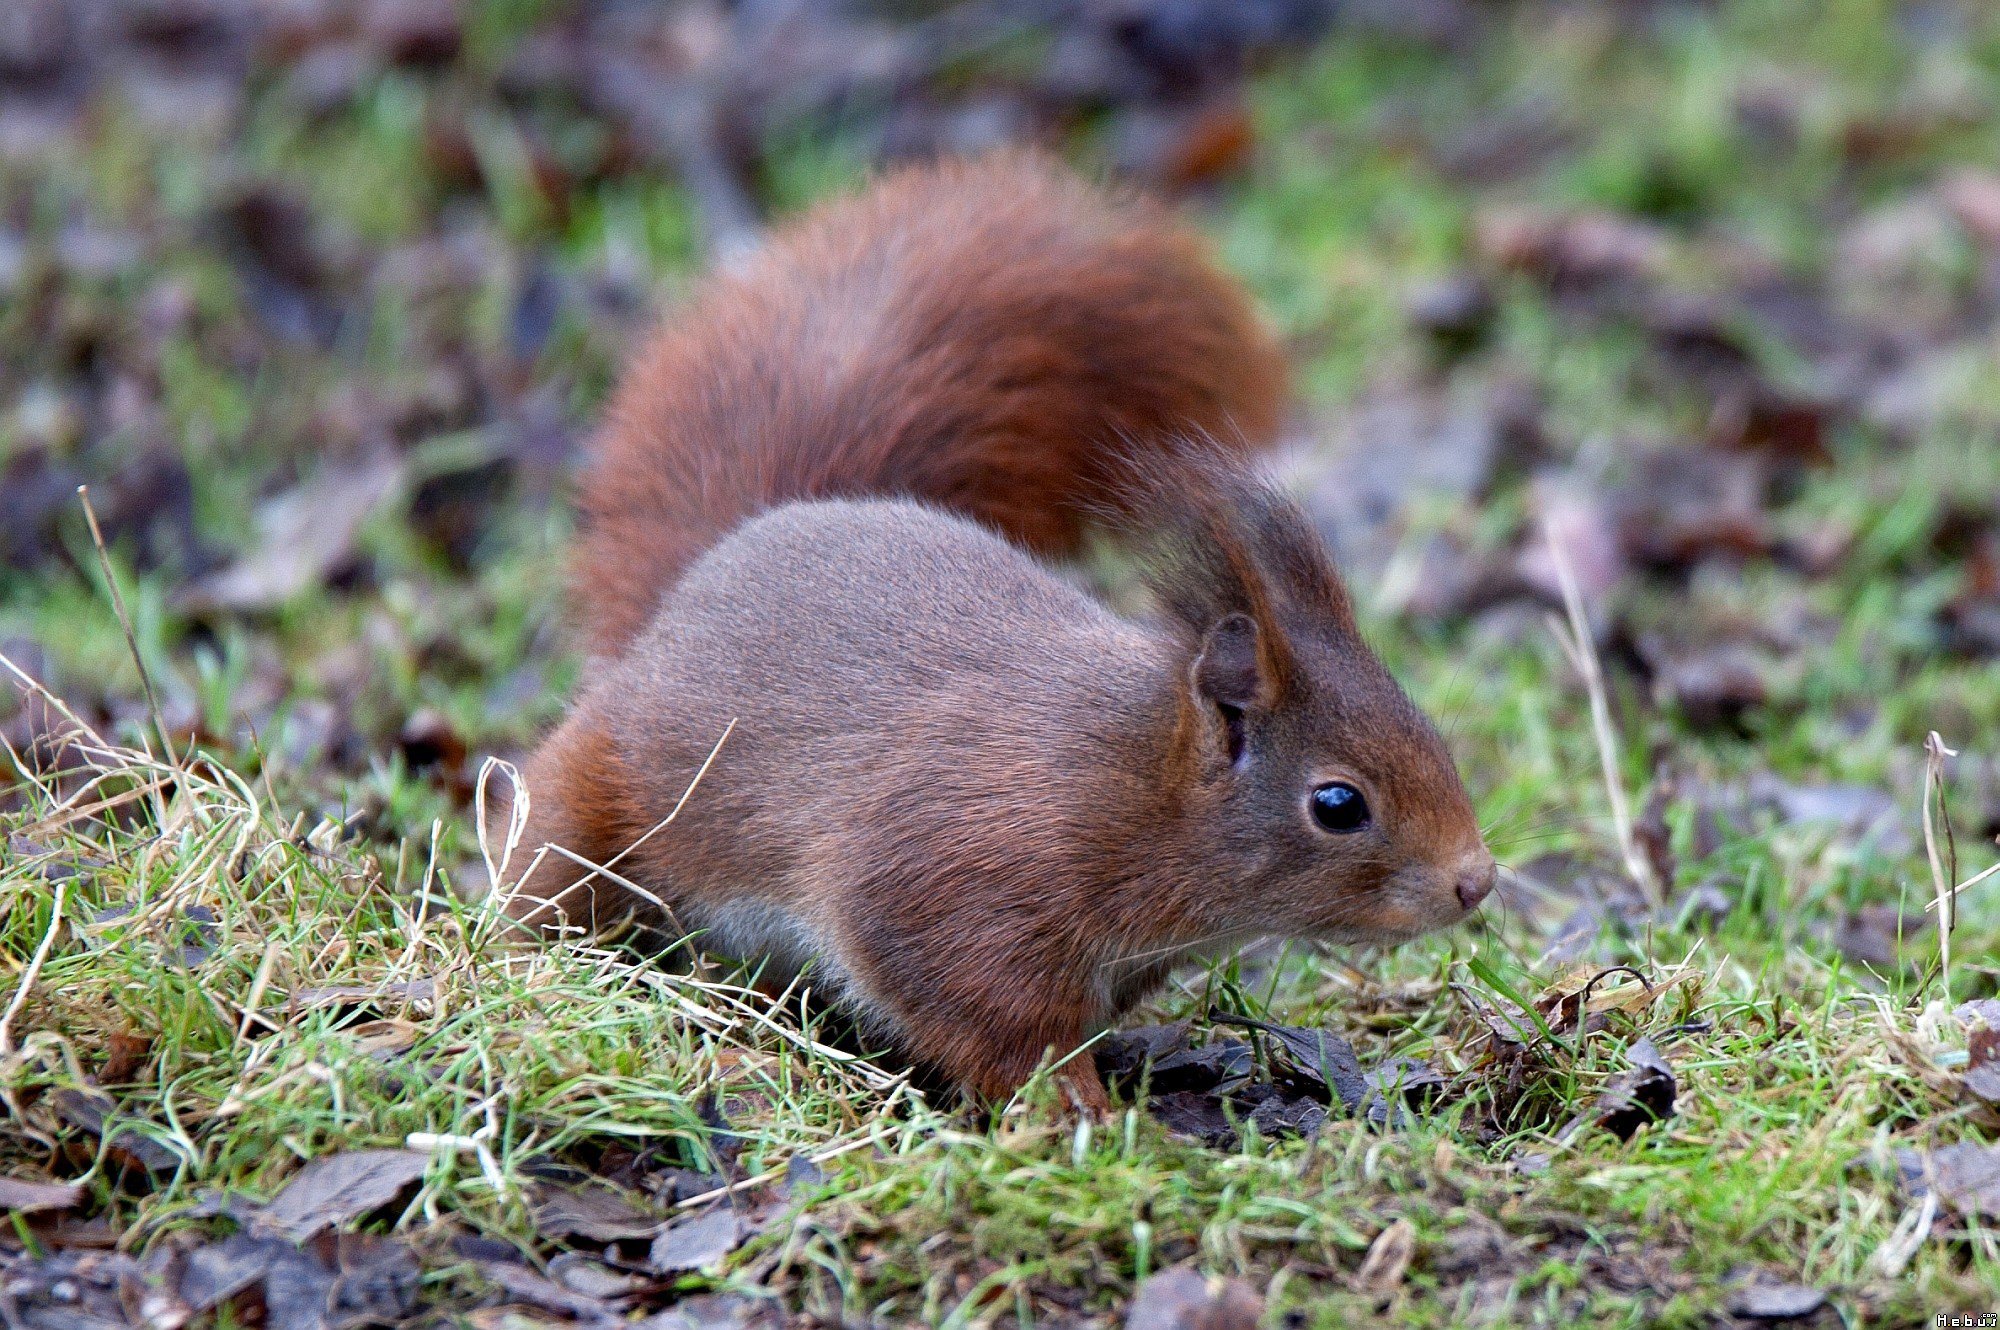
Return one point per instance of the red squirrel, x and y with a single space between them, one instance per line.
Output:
988 813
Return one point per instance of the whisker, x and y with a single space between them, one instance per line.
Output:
1137 958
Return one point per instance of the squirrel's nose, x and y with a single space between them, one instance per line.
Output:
1475 880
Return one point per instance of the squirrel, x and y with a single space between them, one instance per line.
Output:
983 813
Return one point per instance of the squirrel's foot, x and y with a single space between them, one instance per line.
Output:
1083 1089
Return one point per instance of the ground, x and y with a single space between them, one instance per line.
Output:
1690 309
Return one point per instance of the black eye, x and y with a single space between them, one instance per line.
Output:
1339 807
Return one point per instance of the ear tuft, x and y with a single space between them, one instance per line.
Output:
1216 542
1230 670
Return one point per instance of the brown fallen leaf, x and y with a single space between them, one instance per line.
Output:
130 1147
1580 521
364 995
1123 1054
1400 1084
1882 936
1857 812
1982 1065
1571 251
383 1039
597 1214
1643 1094
1973 196
214 1274
593 1279
713 1311
1320 1059
1965 1176
699 1242
70 1290
125 1053
24 1196
1183 1299
1683 505
522 1284
1196 1114
1388 1259
334 1189
1455 311
413 32
430 740
303 536
1776 1302
1395 448
1275 1113
1979 1011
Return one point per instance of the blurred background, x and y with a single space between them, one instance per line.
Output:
319 298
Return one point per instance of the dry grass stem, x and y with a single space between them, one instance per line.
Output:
1579 644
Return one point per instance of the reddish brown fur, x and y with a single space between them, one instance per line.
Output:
979 335
985 811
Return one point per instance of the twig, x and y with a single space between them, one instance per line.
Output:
605 869
1944 864
1951 897
681 802
34 970
125 622
1579 645
35 687
258 984
1893 1256
771 1174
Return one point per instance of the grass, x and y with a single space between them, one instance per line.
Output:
195 911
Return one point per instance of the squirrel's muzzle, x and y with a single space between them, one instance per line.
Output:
1475 878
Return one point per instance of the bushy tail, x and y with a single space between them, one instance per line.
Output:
987 335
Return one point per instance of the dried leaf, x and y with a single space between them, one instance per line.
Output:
1776 1302
364 995
519 1282
125 1054
304 535
712 1311
1398 1083
1182 1299
593 1279
1319 1058
1965 1176
96 1113
1124 1054
70 1290
1715 686
1882 936
1274 1113
23 1196
699 1242
1982 1066
335 1189
218 1272
1644 1094
1388 1259
1198 1115
1570 251
598 1214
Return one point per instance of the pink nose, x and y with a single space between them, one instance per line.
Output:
1475 882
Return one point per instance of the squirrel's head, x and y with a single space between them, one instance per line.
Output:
1311 769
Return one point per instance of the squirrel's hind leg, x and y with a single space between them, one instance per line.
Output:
575 801
994 1057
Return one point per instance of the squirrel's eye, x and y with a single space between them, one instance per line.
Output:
1339 807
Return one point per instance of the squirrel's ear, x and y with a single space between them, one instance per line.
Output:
1234 669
